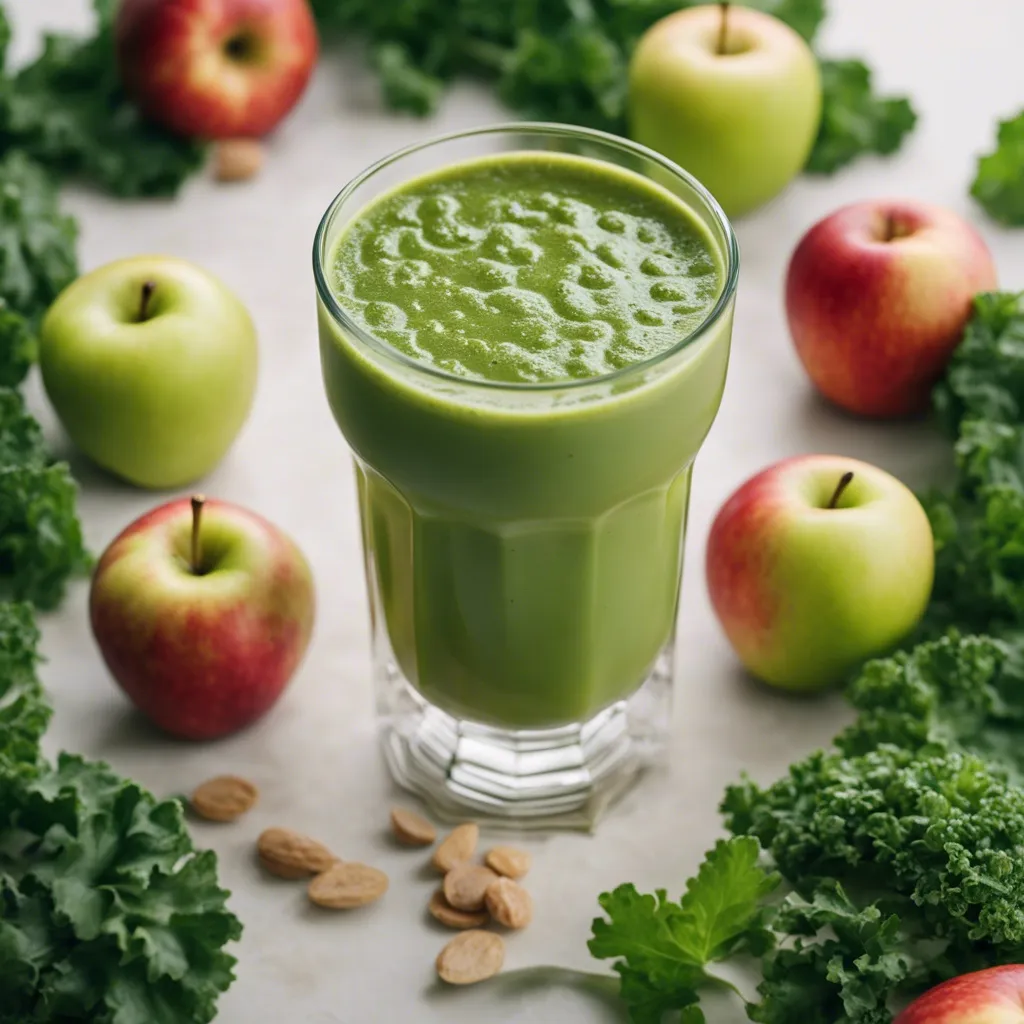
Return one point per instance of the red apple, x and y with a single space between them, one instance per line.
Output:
995 996
202 613
816 564
216 69
877 295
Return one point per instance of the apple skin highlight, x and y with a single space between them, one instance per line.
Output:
805 592
877 295
202 655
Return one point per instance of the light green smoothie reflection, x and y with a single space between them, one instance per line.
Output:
526 561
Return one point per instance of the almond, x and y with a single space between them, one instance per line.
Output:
224 798
412 829
509 903
471 957
238 159
289 854
466 884
458 845
509 861
441 910
348 885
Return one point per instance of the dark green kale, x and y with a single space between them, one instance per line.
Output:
999 182
68 111
855 121
41 543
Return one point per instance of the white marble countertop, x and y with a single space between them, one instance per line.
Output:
314 756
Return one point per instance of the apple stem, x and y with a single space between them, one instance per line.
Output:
723 29
197 549
148 287
844 481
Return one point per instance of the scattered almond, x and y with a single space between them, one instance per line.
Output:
412 829
458 845
347 885
509 861
471 957
441 910
509 903
466 884
289 854
238 159
224 798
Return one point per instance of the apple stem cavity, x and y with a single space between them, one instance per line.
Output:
723 30
148 287
196 554
844 481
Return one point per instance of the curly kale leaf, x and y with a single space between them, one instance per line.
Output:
955 693
984 382
67 110
939 835
999 182
17 346
37 245
854 120
109 914
837 962
41 542
24 709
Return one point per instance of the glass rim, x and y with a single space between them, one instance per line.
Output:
366 338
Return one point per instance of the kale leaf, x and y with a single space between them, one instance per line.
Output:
662 948
999 182
107 912
568 61
37 241
854 120
41 542
67 110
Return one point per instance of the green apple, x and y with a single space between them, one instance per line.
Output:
730 94
816 564
150 364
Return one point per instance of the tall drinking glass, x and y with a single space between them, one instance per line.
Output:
523 541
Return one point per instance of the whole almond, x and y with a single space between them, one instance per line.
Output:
412 829
457 846
441 910
466 884
289 854
471 957
509 903
347 885
238 159
509 861
224 798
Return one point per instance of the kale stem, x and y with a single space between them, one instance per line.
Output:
197 549
844 482
723 29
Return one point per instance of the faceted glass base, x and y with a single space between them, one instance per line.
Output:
547 778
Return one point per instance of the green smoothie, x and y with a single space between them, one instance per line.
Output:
507 349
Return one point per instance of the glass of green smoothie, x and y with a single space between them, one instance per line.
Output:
524 334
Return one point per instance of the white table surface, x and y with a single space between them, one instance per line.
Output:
314 756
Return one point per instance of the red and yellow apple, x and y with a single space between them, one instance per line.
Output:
216 69
815 564
202 611
877 295
994 996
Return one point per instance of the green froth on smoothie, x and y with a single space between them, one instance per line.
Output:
528 268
